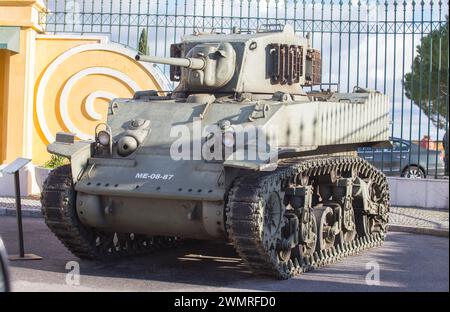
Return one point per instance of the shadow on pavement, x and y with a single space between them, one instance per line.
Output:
215 266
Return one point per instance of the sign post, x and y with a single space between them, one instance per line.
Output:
14 168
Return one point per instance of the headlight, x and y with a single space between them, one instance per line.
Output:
104 138
127 145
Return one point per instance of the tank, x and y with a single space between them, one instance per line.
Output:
238 152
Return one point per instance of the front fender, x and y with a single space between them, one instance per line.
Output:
78 152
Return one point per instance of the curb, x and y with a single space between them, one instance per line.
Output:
26 213
418 230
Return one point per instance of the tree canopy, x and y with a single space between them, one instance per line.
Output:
428 87
143 43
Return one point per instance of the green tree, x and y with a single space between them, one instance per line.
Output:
143 42
426 87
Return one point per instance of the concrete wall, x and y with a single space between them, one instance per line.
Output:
421 193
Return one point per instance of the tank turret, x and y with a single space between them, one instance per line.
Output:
263 62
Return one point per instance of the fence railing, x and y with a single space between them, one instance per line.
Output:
399 48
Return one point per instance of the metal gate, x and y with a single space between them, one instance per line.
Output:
396 47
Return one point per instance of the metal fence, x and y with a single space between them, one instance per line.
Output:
399 48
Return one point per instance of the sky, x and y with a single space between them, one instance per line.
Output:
383 59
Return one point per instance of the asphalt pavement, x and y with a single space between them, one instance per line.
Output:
406 262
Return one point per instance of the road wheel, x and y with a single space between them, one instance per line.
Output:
307 248
325 221
413 172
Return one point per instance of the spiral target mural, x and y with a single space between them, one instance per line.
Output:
73 90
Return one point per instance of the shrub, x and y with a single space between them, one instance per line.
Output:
55 162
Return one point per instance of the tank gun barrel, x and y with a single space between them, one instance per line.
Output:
192 63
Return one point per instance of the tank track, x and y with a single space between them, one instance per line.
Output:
59 211
244 215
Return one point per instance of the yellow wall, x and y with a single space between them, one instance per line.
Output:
48 49
18 78
34 81
24 13
16 95
4 63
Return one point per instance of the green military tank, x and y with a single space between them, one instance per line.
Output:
237 152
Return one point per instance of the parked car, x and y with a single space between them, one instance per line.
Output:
404 159
4 277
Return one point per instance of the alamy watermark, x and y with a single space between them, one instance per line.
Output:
73 13
373 277
73 274
225 142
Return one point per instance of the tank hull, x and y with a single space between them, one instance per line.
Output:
186 218
302 128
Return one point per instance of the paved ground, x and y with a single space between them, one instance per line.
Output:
407 262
